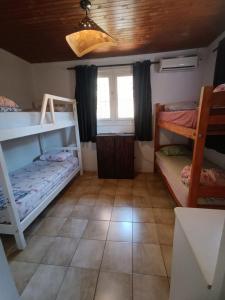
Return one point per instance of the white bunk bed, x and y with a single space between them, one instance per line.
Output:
20 124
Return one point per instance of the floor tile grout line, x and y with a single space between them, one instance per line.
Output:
41 261
67 268
74 251
132 276
94 269
164 263
99 271
132 208
38 264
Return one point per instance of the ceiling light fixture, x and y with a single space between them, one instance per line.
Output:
88 36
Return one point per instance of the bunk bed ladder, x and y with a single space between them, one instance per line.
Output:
15 226
158 108
199 144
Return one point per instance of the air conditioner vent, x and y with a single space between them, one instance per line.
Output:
178 63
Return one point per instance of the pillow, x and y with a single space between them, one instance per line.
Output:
56 155
219 88
9 109
180 106
6 102
174 150
208 177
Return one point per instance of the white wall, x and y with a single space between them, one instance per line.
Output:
16 83
25 83
15 79
55 78
166 87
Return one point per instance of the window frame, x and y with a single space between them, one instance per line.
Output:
117 99
105 119
112 73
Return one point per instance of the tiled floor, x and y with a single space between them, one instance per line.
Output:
102 240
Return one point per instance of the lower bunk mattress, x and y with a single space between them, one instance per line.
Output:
171 167
32 184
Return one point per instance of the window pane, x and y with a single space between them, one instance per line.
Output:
103 100
125 97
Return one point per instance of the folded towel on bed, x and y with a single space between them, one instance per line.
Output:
208 176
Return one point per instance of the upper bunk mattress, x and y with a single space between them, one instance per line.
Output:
186 118
31 184
20 124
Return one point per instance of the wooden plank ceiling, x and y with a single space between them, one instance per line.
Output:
35 29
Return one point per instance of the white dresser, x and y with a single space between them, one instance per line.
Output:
198 263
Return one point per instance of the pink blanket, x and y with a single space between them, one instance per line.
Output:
208 176
187 118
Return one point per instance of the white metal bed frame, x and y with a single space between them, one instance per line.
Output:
17 227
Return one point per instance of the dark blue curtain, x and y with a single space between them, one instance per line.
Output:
86 96
219 75
217 142
142 101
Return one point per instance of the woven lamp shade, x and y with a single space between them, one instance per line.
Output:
88 37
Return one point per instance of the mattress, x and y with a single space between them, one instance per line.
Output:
186 118
171 167
32 183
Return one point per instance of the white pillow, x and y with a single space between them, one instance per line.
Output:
56 155
6 102
180 106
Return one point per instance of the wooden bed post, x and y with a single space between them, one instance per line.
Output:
157 133
10 202
199 144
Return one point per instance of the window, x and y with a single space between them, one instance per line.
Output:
125 97
103 104
115 105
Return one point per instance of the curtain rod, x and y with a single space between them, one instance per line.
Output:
116 65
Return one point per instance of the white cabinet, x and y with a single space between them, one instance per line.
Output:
198 263
8 290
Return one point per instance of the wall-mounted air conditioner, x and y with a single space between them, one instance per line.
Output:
178 64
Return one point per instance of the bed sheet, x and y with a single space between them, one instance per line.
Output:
171 167
33 182
186 118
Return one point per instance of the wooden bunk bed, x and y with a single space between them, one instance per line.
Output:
18 125
210 116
